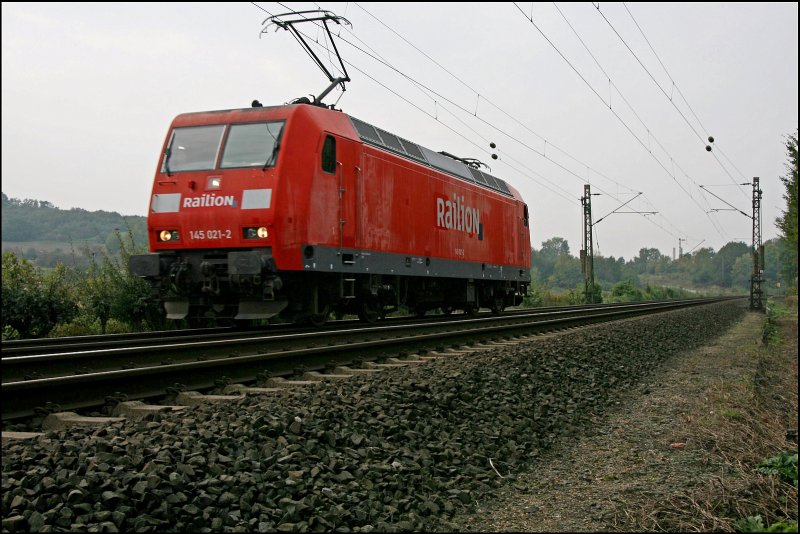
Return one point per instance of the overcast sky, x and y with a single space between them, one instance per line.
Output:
622 97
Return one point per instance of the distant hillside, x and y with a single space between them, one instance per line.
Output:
37 220
34 227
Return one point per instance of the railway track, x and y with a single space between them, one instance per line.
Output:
41 346
148 367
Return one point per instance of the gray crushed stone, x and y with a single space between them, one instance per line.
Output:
404 449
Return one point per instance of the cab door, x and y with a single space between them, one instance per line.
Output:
333 208
347 175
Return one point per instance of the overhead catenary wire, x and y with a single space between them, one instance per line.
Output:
625 124
439 100
554 188
597 6
650 220
435 117
675 85
374 55
638 117
479 96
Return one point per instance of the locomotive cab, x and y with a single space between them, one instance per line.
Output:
211 215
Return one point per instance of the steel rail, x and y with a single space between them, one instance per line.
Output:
182 350
41 346
21 397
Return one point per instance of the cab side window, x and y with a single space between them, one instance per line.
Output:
329 155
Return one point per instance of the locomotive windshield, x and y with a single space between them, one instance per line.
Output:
196 148
193 149
252 145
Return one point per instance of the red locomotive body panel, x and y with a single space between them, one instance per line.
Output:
411 209
246 202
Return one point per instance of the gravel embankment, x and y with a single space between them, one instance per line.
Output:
403 450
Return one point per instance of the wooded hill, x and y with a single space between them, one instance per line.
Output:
45 234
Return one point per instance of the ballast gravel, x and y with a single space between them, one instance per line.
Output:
401 450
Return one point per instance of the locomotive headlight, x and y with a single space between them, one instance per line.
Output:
214 182
256 233
168 235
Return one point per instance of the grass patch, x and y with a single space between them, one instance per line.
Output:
733 414
747 423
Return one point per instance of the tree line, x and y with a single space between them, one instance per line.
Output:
729 269
651 274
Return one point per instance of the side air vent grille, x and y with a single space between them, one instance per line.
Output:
389 141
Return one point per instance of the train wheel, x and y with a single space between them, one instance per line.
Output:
419 311
447 310
471 310
498 305
370 310
319 319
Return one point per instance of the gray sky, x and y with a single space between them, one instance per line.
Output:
89 90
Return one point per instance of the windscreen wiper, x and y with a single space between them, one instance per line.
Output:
167 154
273 157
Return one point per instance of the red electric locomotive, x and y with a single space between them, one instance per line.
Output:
305 211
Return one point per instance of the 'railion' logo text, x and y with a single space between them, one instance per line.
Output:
453 214
209 200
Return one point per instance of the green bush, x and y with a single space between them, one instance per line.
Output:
109 292
33 302
784 466
70 302
534 298
89 326
625 292
756 524
9 332
74 328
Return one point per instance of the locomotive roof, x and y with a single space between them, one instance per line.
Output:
380 138
388 141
